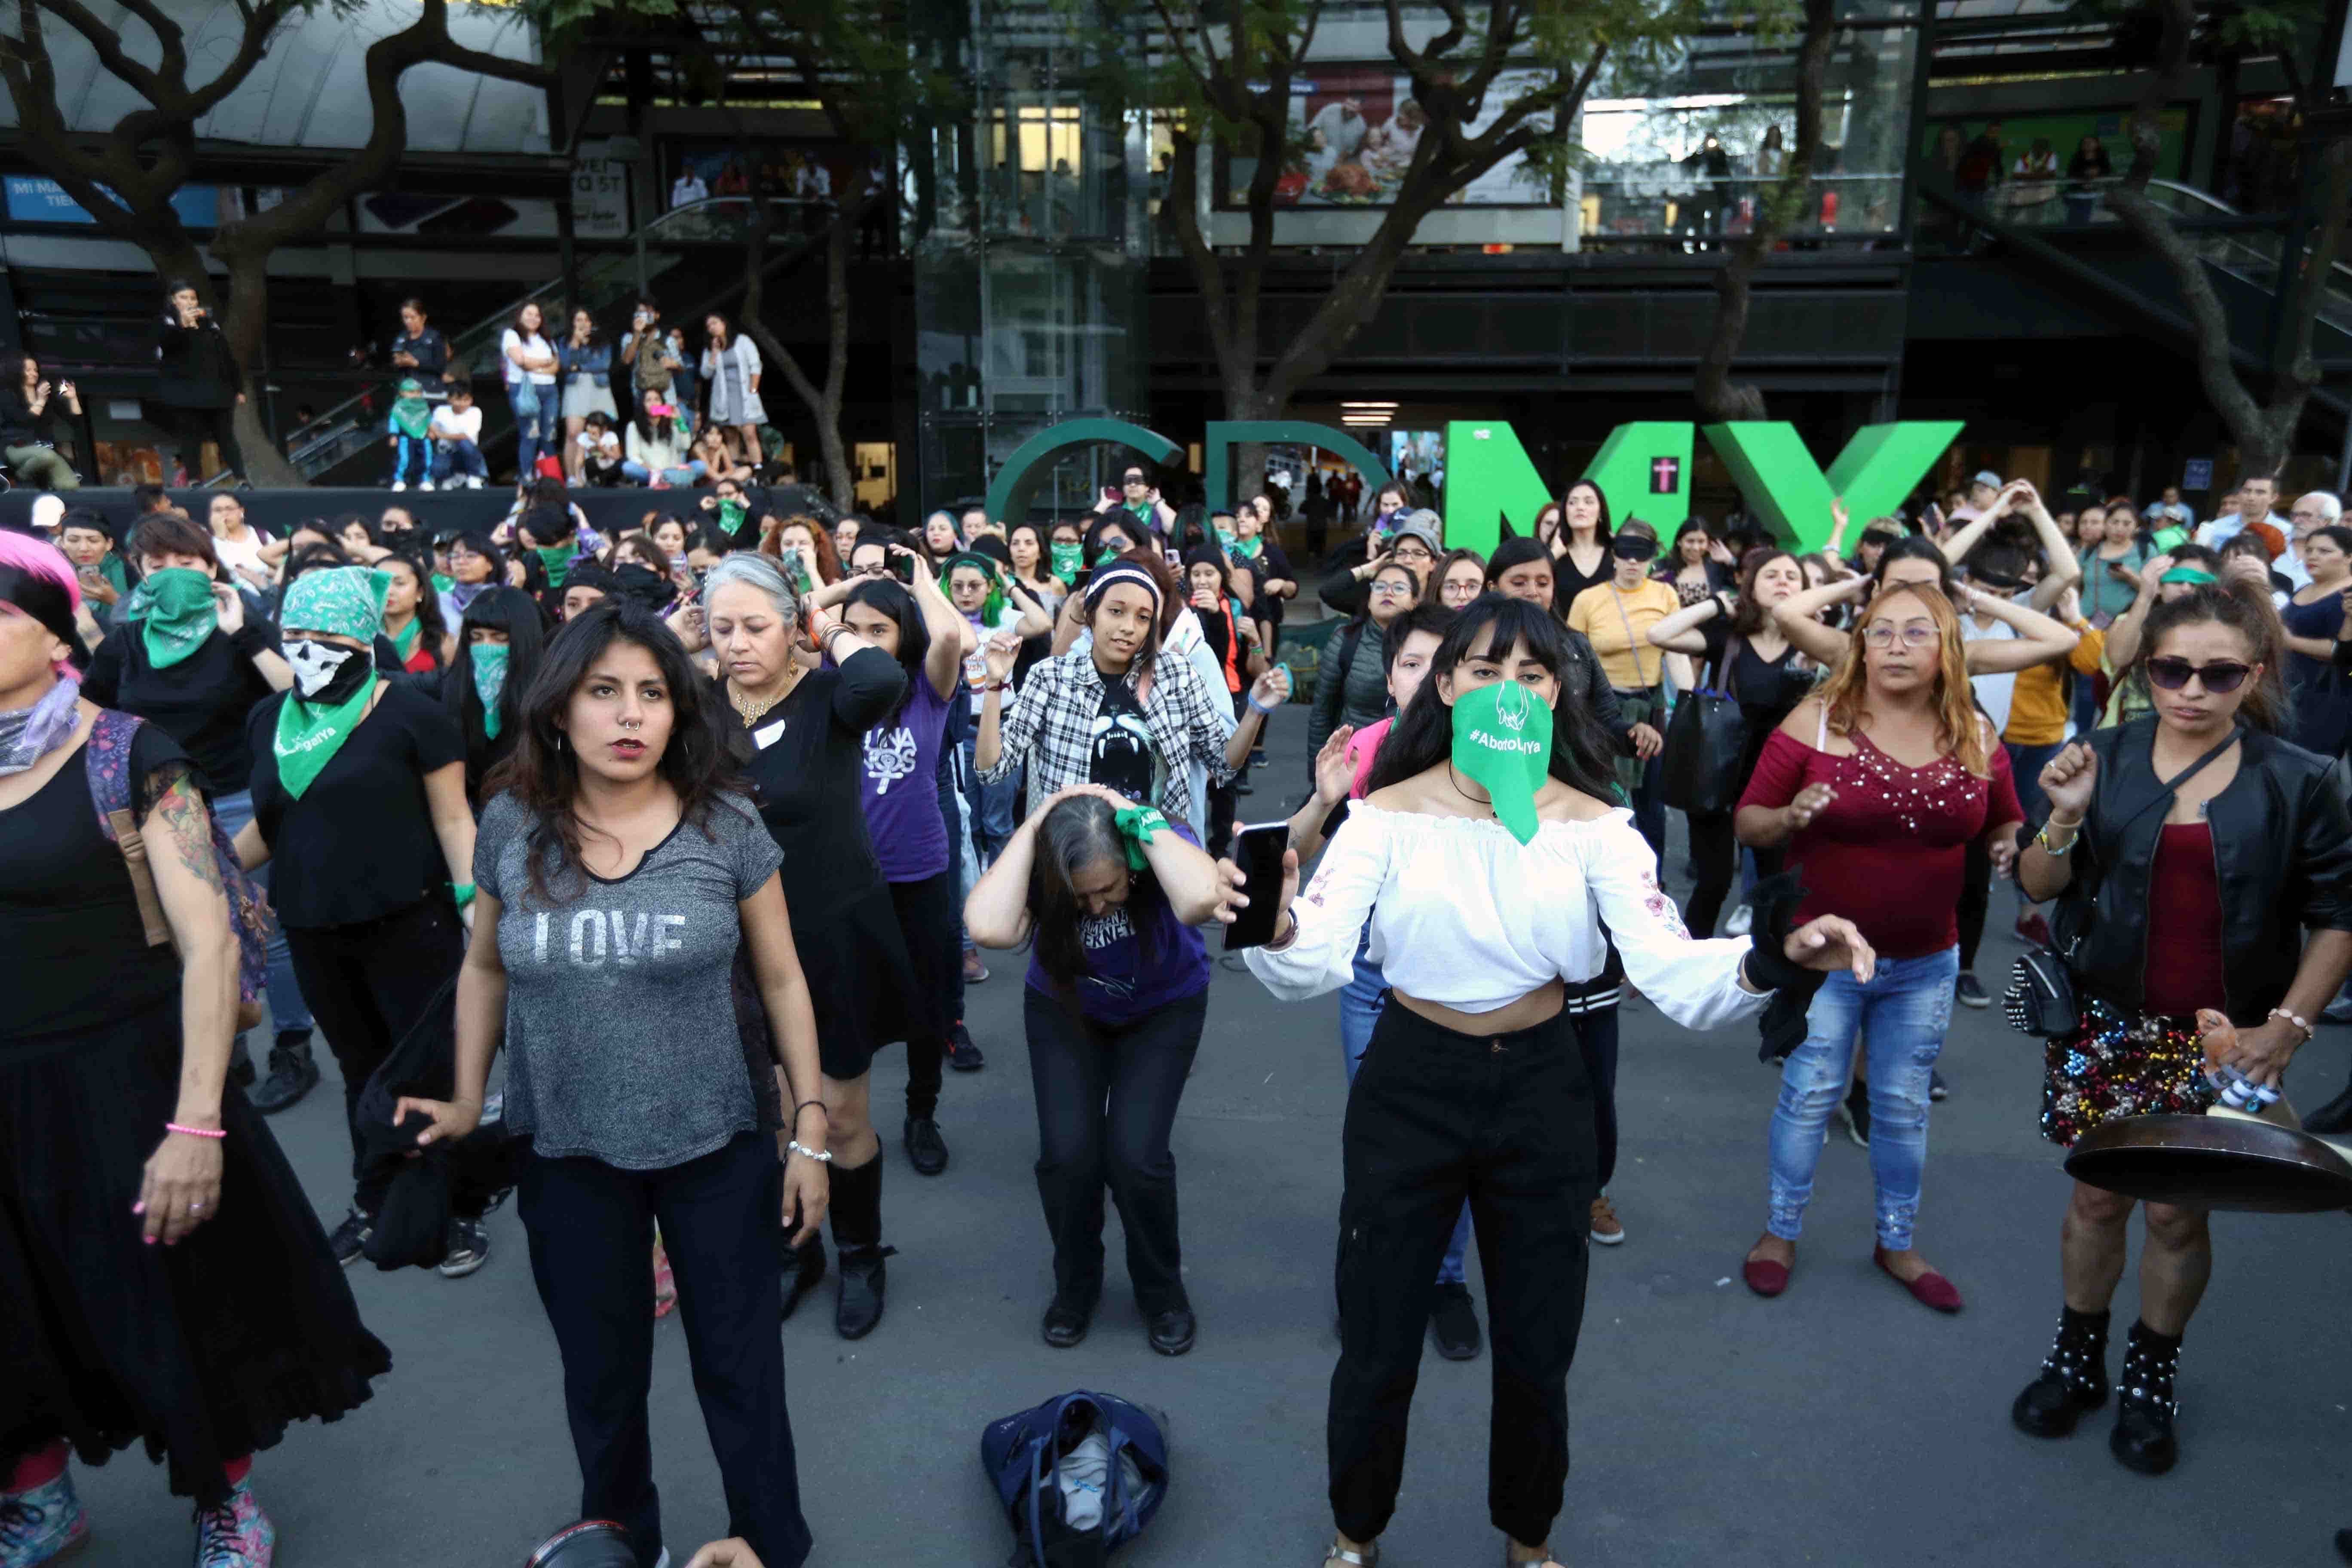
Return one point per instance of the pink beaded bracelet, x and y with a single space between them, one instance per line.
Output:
197 1132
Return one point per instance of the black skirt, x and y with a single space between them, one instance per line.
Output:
204 1351
859 979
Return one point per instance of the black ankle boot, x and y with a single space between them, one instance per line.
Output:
2333 1118
2073 1377
857 1239
802 1269
2145 1407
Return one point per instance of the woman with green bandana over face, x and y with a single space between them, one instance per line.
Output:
374 919
498 650
1487 854
1108 893
192 662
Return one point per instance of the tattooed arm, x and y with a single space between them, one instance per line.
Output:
182 1189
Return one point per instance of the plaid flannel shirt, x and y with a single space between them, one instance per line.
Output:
1051 727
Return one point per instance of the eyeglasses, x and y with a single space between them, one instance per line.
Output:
1414 552
2221 678
1881 635
1391 590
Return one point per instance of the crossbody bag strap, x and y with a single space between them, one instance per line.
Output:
1632 643
2168 788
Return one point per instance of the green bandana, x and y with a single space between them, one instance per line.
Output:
489 681
442 584
994 605
412 416
347 601
310 733
2189 574
1067 559
1137 824
730 513
1106 557
1248 548
1502 740
2165 539
1229 538
176 612
557 559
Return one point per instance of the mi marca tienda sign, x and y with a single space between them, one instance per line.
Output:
1643 469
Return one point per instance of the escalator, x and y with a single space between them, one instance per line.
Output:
2086 251
690 257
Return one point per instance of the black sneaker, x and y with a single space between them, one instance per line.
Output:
1855 1112
963 1055
293 1073
469 1248
1454 1323
240 1064
351 1237
1937 1088
1968 993
926 1150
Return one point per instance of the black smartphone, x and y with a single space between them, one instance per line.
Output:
902 567
1258 852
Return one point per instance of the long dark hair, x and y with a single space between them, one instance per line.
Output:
543 774
2245 609
1423 734
887 598
1079 832
515 613
1521 551
1750 618
431 625
1915 547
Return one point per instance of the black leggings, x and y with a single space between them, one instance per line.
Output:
1106 1097
368 985
191 427
927 918
1715 851
1975 895
1436 1117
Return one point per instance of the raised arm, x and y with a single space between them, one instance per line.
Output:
1795 617
2065 570
996 911
2039 638
951 635
1957 544
1679 631
1314 945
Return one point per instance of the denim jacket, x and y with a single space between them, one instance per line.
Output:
596 359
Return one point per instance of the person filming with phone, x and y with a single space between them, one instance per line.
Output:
28 403
1136 495
200 385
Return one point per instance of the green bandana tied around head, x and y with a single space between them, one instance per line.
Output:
1502 740
490 682
557 559
412 416
347 601
1137 824
310 733
2189 574
1067 559
994 605
176 612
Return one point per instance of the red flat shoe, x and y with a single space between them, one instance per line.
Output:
1765 1277
1930 1289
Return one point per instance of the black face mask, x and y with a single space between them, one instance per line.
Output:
350 676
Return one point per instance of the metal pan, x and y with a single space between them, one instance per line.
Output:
2223 1160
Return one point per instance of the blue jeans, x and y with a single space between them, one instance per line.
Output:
1360 1001
535 433
2025 765
633 470
994 806
1905 1011
411 460
288 1013
457 457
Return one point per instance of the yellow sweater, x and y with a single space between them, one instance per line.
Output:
2037 705
1632 662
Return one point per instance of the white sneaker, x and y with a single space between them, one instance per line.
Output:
424 485
400 484
1741 918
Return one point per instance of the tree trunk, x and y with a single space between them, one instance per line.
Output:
822 400
248 320
1777 209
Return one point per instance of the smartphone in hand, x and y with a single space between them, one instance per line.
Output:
1258 852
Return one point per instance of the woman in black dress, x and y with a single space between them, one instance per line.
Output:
798 731
162 1277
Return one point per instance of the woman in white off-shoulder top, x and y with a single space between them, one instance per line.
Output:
1488 856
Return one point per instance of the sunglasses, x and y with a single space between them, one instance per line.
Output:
2221 678
1134 478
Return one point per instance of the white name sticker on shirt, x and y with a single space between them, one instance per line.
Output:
768 737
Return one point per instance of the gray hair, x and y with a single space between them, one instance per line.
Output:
754 571
2331 510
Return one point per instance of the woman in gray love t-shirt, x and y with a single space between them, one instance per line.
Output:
618 875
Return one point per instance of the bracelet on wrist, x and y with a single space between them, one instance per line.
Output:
2074 831
821 1156
187 1132
2301 1025
804 1104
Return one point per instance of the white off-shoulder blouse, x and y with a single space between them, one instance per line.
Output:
1466 916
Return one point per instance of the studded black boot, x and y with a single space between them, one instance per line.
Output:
2073 1377
2145 1405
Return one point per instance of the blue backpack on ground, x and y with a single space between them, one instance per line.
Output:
1078 1474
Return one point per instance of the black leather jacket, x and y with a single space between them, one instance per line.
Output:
2283 842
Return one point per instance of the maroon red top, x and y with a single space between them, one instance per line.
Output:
1889 851
2185 970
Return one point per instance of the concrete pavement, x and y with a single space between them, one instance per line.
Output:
1840 1424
